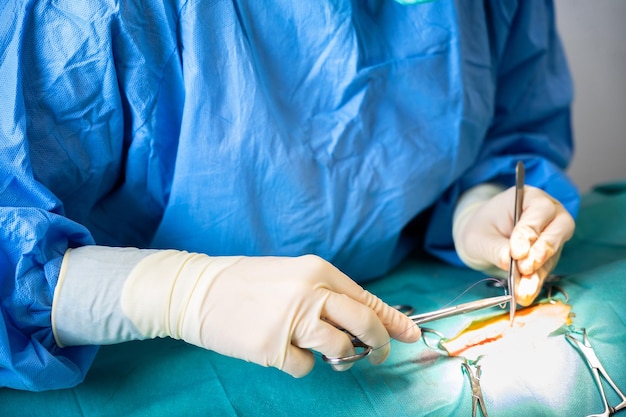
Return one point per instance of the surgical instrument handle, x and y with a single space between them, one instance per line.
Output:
460 309
520 174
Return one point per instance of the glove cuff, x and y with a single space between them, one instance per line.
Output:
165 291
108 295
86 307
466 206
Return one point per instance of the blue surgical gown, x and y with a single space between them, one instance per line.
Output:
258 128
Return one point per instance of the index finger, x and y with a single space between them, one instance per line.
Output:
539 211
397 324
546 228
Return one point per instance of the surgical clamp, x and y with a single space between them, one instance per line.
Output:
477 392
584 347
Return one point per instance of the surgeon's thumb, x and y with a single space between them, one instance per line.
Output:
298 362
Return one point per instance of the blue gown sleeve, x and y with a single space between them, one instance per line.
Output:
531 120
34 235
33 238
81 85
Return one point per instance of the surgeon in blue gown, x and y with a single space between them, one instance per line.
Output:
189 169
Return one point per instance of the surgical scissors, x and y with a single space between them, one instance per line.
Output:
419 319
584 347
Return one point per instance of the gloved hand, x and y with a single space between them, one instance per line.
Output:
485 238
267 310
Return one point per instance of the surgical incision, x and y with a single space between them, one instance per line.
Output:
485 335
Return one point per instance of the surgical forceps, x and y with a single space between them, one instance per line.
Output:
477 392
584 347
419 319
520 173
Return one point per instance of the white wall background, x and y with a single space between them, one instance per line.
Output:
594 35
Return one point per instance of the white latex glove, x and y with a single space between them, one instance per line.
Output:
485 238
266 310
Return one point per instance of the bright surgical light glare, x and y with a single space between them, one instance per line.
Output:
539 367
523 357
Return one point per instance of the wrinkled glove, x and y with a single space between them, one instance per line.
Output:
485 238
266 310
